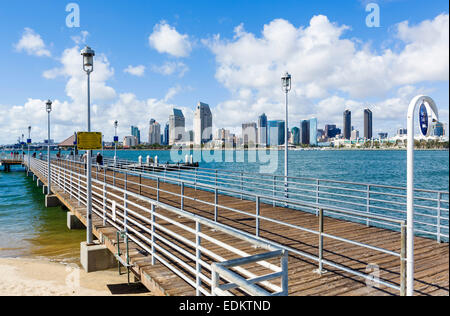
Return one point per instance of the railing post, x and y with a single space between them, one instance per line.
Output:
125 205
140 184
284 273
79 190
368 205
320 241
104 203
403 261
114 177
182 196
216 207
257 215
198 255
153 233
438 227
317 194
214 280
157 189
216 179
273 189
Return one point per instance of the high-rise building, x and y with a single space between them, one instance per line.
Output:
295 136
382 135
136 133
275 133
177 126
347 124
331 131
368 132
355 135
313 132
249 134
154 133
305 132
166 135
262 130
202 124
130 141
438 129
402 132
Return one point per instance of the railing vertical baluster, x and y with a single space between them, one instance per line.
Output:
182 196
104 203
79 193
114 177
153 233
284 275
216 202
317 195
273 190
257 215
368 204
198 254
438 227
403 260
214 280
125 205
242 186
140 184
157 189
320 241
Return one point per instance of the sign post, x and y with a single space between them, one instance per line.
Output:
424 122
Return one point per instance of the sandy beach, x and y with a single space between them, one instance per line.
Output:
40 277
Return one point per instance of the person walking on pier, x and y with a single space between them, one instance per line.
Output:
99 161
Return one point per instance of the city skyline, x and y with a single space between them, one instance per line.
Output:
145 75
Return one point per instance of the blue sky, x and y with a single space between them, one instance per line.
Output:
222 71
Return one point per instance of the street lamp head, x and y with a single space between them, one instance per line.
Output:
116 123
88 59
48 106
286 82
29 129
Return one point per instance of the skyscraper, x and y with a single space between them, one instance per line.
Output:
177 125
313 132
262 130
136 133
305 132
202 124
275 133
249 131
368 124
166 135
295 136
347 124
154 133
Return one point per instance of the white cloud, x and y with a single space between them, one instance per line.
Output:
329 72
169 68
135 71
166 39
32 44
80 39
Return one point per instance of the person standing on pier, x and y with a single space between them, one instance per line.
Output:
99 161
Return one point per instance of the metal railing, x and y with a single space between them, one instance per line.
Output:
145 221
122 179
431 207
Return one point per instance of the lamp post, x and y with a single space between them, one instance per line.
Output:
28 142
116 123
48 107
88 66
286 86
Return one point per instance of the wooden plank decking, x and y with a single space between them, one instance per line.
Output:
431 258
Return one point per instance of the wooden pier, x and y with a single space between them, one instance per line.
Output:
431 258
6 163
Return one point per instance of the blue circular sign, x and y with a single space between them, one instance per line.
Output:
423 120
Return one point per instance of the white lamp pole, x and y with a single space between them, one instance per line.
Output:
48 107
286 85
88 66
28 142
417 101
116 123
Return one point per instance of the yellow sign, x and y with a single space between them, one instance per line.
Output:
89 141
